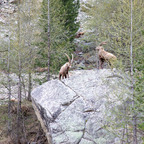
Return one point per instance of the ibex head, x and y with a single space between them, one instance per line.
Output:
100 47
70 60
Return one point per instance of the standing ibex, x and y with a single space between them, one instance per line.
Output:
105 56
65 68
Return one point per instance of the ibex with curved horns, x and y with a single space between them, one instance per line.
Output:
105 56
65 68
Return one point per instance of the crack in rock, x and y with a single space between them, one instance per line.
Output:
78 106
56 114
70 102
83 132
73 90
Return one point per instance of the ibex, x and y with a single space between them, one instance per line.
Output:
65 68
105 56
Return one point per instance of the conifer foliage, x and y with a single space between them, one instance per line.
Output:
71 8
62 31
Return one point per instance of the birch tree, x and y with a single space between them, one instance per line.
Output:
19 77
132 75
30 18
128 27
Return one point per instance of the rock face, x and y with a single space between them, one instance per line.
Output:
73 111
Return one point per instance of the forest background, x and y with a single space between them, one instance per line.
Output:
36 40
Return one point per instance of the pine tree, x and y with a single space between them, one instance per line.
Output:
71 8
59 41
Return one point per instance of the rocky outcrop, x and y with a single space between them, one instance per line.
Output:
73 111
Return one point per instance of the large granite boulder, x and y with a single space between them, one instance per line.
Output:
72 111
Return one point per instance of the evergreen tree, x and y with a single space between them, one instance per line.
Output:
71 8
59 40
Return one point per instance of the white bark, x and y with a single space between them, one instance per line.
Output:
19 77
48 76
9 83
132 78
30 76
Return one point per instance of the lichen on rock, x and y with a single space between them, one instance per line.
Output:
74 109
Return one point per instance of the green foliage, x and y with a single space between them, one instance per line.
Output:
139 86
71 8
60 34
111 21
141 126
27 30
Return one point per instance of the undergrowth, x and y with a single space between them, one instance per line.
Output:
32 131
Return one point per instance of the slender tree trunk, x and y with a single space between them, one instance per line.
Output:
29 87
9 82
9 96
48 76
123 134
19 110
132 77
19 77
30 62
23 85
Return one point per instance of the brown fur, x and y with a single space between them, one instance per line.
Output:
105 56
79 34
65 68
